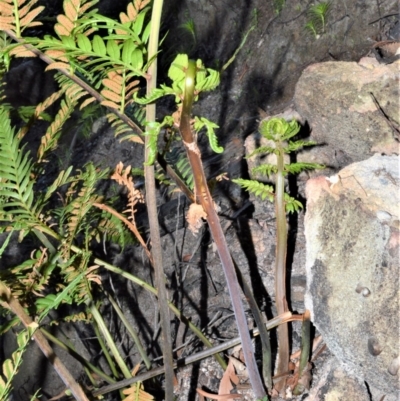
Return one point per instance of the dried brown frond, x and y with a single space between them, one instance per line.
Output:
134 195
194 217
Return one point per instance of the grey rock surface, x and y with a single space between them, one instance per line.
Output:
338 99
335 384
352 239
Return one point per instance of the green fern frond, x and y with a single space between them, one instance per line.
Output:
112 229
79 205
262 150
278 129
202 122
319 12
294 146
16 181
178 160
296 168
265 169
11 366
257 188
291 204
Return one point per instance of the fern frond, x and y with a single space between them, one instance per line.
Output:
291 204
11 366
16 16
262 150
112 229
41 107
294 146
296 168
137 393
49 140
135 17
201 122
32 276
178 160
80 204
16 182
120 127
73 10
62 179
265 169
123 177
278 129
118 89
73 93
257 188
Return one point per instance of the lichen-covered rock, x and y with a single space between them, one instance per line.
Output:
340 102
352 236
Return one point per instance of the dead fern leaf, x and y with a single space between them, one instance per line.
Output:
17 17
22 51
194 217
136 393
64 25
134 195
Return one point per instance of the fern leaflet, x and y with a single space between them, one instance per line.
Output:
257 188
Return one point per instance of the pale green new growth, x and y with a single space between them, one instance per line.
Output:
280 131
318 14
206 80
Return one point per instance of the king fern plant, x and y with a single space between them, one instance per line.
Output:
279 135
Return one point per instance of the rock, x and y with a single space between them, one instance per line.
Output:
335 384
352 238
338 101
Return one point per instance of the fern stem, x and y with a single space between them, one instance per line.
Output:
276 321
264 336
131 331
205 199
77 356
106 353
305 351
7 297
173 308
280 269
110 342
156 249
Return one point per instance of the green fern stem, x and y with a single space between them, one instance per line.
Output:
77 356
131 331
171 306
110 342
105 351
280 267
17 21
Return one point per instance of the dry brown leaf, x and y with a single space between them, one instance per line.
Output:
239 366
194 217
225 385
